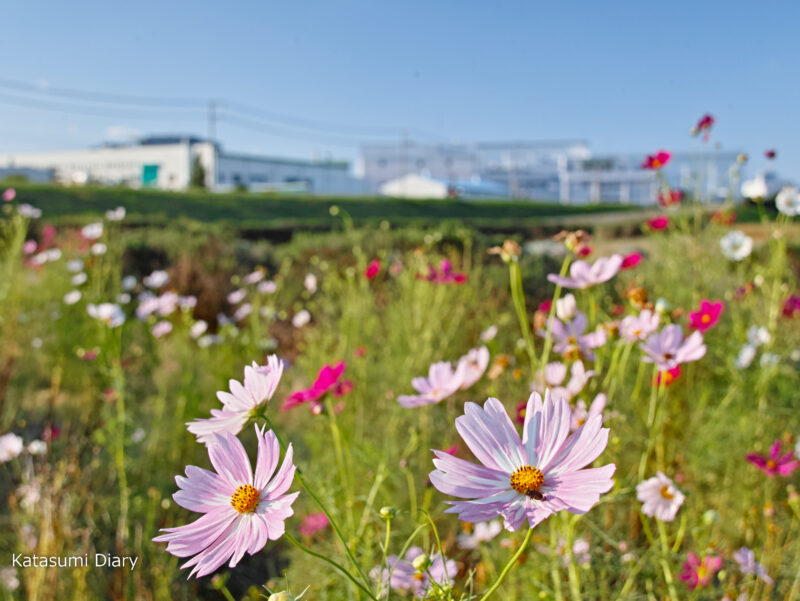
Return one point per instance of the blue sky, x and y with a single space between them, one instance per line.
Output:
625 76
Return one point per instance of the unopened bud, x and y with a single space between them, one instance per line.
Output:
421 563
388 512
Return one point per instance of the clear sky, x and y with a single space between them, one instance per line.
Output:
625 76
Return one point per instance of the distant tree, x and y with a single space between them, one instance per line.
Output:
198 177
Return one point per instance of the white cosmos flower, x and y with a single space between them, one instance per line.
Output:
10 446
301 318
72 297
745 356
156 279
92 231
79 279
75 265
310 283
736 245
117 214
788 201
758 335
109 313
129 282
99 248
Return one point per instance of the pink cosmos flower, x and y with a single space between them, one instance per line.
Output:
406 578
580 414
9 194
657 160
444 275
658 223
162 328
670 198
527 479
583 275
639 327
570 340
704 126
668 349
472 366
441 383
791 308
746 558
707 316
327 379
630 261
242 510
699 572
775 463
29 247
553 376
313 523
660 498
481 533
239 405
373 269
545 306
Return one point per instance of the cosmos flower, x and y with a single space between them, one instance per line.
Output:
313 523
660 497
29 211
630 261
489 333
775 463
481 533
770 154
639 327
29 247
326 381
580 414
9 194
444 275
758 335
72 297
707 316
79 279
666 378
109 313
238 405
237 296
658 223
668 348
582 275
242 510
736 245
92 231
128 282
657 160
10 446
156 279
670 198
310 283
406 577
566 307
788 201
441 383
570 340
791 307
745 357
198 328
373 269
117 214
254 276
472 366
267 287
553 375
528 479
162 328
301 318
746 558
704 126
699 572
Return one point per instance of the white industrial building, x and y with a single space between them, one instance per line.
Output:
166 162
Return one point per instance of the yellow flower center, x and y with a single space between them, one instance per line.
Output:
419 576
656 163
527 480
706 318
245 498
665 492
771 465
668 356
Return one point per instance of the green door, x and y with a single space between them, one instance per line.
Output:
149 175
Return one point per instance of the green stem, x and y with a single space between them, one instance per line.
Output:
548 339
508 566
518 298
662 535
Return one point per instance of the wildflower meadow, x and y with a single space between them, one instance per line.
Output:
382 413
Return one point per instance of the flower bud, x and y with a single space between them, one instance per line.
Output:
388 512
566 308
421 563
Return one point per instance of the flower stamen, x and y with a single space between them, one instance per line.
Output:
527 480
245 498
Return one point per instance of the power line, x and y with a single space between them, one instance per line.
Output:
279 132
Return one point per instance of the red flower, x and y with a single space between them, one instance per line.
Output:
770 154
544 306
699 572
444 275
791 308
584 250
776 463
373 269
632 260
520 417
657 160
327 379
704 126
707 316
658 223
666 378
670 198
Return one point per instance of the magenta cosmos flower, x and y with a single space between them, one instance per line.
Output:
373 269
707 316
658 223
582 275
527 479
775 463
242 402
327 381
570 340
630 261
699 572
657 160
660 498
406 578
441 383
668 349
242 510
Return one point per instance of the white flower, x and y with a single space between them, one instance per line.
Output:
123 298
28 211
481 533
99 248
29 495
736 245
37 447
310 283
109 313
10 446
162 328
795 355
268 287
72 297
755 188
36 342
129 282
8 576
489 333
75 265
788 201
243 312
53 254
79 279
758 335
254 277
745 356
237 296
156 279
566 308
208 340
198 328
660 498
301 318
117 214
138 435
92 231
797 448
